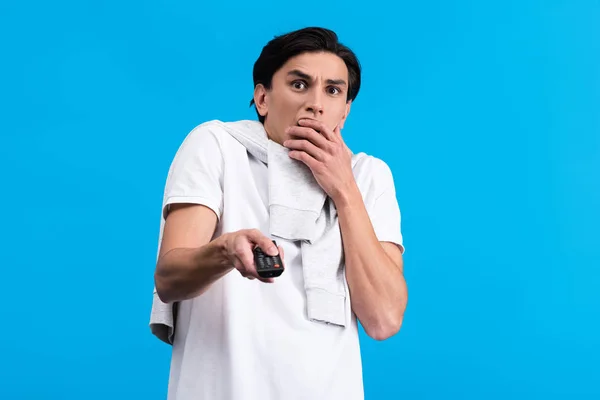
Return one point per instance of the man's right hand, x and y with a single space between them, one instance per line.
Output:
190 262
239 248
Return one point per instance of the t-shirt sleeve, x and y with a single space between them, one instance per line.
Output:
196 173
385 213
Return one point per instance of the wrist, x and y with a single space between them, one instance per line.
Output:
216 250
347 196
221 246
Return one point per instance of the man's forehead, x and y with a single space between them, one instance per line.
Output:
327 66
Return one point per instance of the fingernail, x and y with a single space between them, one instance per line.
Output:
273 251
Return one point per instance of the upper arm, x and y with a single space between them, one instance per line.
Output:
193 195
384 212
187 226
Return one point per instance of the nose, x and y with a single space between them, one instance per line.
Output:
315 104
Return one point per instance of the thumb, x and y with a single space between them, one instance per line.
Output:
337 130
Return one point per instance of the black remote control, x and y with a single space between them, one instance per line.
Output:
267 266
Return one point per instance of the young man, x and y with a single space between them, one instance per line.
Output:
288 177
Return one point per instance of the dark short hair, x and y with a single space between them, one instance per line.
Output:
307 40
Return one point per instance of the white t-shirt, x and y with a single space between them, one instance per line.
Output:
247 340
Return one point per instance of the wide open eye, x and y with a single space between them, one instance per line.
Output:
299 85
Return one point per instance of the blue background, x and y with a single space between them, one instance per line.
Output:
488 114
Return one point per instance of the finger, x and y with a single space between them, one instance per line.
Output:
282 256
318 126
249 272
308 133
306 146
306 158
243 257
239 265
272 280
253 275
337 131
262 241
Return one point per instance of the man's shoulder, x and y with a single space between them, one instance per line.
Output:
369 167
217 126
373 176
216 132
214 128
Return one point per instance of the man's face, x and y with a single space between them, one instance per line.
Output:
310 85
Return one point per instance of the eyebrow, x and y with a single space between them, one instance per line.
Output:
300 74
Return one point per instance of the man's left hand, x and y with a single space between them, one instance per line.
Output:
323 150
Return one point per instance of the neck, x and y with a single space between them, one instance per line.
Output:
271 134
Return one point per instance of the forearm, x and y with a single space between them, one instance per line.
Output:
377 285
184 273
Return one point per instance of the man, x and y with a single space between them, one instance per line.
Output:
288 177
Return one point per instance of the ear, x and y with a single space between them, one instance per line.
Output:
346 112
260 99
